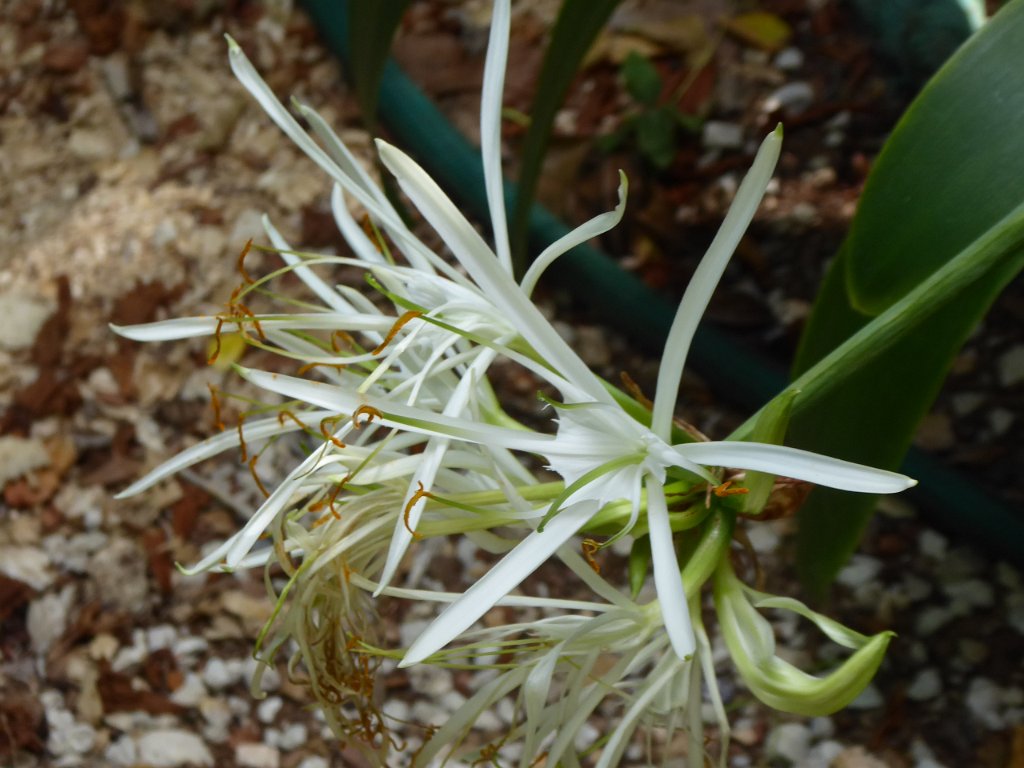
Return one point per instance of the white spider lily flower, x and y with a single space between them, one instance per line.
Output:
602 452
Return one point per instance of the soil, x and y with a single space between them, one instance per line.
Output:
134 169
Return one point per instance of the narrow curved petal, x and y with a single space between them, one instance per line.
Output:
222 441
168 330
498 582
324 292
800 465
589 229
702 284
671 596
472 252
490 129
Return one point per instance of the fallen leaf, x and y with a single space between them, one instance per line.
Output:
119 694
761 30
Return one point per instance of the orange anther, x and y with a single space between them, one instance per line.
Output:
241 262
216 338
241 439
252 469
723 490
215 404
286 414
421 493
410 315
326 424
310 366
343 336
590 548
369 412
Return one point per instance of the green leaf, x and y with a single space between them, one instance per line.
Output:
950 178
372 26
656 137
641 79
770 428
577 26
953 166
639 565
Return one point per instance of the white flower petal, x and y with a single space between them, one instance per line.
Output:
222 441
327 295
498 582
586 231
168 330
702 284
472 252
667 580
800 465
490 128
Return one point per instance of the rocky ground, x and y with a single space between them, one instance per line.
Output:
133 170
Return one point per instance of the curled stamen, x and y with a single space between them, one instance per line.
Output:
634 391
421 493
343 336
286 414
259 483
241 262
244 310
399 323
241 439
216 342
326 424
590 548
369 412
215 404
723 490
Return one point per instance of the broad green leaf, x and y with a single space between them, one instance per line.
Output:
947 178
951 169
656 136
372 26
577 26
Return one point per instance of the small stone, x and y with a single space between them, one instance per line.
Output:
869 698
592 346
790 741
120 573
313 761
931 619
966 402
985 702
973 593
218 716
48 618
23 317
167 748
789 59
792 98
26 564
293 737
19 456
1015 612
935 433
269 708
763 538
253 755
93 144
822 755
857 757
1000 420
218 674
191 691
861 570
1011 367
722 135
122 752
932 544
926 685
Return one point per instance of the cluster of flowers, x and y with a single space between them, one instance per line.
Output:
406 440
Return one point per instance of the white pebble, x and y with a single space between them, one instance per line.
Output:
313 761
985 702
122 752
932 544
790 741
293 737
973 593
269 708
861 570
926 685
173 747
789 59
219 674
822 755
253 755
722 135
792 98
191 691
869 698
932 619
